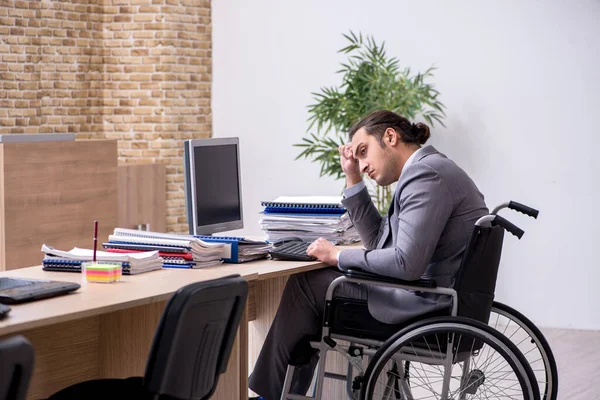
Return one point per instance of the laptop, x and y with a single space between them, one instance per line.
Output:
19 290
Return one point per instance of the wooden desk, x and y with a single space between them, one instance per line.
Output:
105 330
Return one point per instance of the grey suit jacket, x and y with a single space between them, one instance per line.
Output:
432 214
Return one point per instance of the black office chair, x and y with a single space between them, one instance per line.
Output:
190 350
16 367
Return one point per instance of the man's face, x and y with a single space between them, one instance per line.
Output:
373 160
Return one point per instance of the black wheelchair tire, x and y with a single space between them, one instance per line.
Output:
456 324
551 389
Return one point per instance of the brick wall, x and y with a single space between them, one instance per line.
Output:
138 71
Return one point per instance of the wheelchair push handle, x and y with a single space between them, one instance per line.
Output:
509 226
513 205
532 212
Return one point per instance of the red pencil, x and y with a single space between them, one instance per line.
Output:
95 238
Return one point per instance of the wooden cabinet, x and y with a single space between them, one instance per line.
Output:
51 192
142 197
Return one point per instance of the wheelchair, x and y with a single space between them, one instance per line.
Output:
479 349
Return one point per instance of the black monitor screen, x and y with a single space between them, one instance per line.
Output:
217 184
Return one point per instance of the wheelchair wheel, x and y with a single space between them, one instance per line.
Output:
530 341
448 358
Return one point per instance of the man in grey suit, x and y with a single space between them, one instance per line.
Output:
424 235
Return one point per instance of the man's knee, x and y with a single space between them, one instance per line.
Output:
319 280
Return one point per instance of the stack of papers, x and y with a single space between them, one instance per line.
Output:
59 260
249 250
308 218
177 251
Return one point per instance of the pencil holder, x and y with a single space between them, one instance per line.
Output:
102 271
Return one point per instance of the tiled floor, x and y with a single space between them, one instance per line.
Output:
577 356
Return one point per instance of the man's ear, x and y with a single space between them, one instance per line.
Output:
391 136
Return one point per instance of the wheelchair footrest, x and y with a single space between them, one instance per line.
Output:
330 342
331 375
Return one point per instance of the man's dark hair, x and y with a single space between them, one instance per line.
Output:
377 122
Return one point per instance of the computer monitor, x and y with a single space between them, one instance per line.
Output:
213 185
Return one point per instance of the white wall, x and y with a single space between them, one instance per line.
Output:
521 82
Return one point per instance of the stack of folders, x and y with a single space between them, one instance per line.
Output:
70 261
239 249
177 251
249 250
308 218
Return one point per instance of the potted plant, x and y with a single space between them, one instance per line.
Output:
371 81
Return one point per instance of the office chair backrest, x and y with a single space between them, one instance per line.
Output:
16 367
476 280
194 338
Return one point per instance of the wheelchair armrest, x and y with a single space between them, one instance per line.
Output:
362 274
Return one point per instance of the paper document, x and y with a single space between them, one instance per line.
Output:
133 263
85 254
163 236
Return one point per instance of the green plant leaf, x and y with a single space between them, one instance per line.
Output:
370 81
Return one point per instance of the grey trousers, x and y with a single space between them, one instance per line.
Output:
300 314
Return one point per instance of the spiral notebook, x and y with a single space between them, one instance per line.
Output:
63 265
305 204
145 247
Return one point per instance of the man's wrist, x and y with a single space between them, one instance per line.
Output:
352 180
353 190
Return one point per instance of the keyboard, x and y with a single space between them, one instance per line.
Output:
9 283
291 251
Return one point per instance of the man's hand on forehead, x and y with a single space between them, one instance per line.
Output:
348 152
